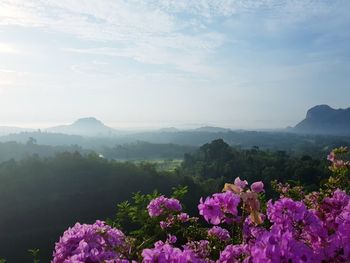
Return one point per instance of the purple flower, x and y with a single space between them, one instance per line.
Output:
173 204
219 208
89 243
171 239
331 157
257 187
158 206
183 217
251 232
163 253
285 210
170 220
240 183
276 246
228 201
338 246
332 206
219 233
233 254
211 211
163 224
200 248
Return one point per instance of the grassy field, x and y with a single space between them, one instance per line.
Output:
162 165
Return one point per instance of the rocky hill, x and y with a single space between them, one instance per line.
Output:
323 119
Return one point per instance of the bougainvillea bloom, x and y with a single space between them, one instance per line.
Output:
222 207
163 253
158 206
242 184
233 254
183 217
257 187
89 243
219 233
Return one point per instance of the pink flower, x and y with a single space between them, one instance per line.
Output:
183 217
219 233
216 208
257 187
158 206
331 157
210 209
240 183
171 239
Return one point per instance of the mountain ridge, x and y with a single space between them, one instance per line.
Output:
88 126
323 119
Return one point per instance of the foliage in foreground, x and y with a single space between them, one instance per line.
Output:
237 225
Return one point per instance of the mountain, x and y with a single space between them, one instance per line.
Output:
86 127
323 119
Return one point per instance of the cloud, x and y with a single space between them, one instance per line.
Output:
183 52
138 30
125 21
180 33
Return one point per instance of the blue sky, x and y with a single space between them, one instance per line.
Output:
233 63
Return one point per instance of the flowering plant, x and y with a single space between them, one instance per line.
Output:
236 225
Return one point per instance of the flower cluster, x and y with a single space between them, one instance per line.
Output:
200 248
159 205
221 207
338 163
90 243
233 253
219 233
164 252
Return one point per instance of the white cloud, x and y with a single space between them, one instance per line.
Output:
169 32
140 31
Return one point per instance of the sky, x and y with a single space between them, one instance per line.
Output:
159 63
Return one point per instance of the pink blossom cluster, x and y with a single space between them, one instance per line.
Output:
90 243
221 207
162 204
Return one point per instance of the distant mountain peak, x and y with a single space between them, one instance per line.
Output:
90 121
89 126
321 107
323 119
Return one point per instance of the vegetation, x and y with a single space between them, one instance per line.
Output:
217 162
41 196
137 144
146 151
238 226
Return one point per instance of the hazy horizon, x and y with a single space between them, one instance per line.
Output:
152 64
136 126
